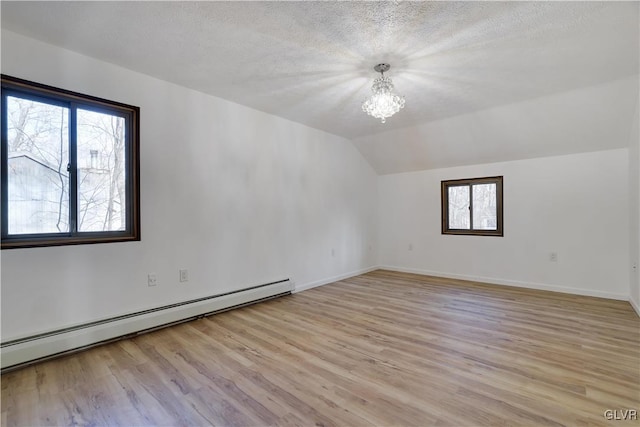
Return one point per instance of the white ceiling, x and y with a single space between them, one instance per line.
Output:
311 62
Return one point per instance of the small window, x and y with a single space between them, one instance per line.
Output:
94 159
472 206
69 167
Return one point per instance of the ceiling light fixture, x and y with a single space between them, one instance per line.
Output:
383 103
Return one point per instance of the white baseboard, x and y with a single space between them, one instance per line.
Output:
306 286
635 305
515 283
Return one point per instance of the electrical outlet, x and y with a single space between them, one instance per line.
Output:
410 246
553 256
152 280
184 275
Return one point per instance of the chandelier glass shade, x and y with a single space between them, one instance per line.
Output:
383 102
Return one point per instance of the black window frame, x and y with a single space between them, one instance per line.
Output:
13 86
445 185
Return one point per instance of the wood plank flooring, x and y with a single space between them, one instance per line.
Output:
383 349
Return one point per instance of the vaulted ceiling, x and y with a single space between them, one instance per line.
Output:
311 62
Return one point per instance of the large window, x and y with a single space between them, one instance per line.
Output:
69 167
472 206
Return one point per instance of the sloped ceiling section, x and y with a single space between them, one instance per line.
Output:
590 119
311 62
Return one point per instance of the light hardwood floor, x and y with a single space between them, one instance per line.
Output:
380 349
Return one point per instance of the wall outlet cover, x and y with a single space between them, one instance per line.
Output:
152 280
184 275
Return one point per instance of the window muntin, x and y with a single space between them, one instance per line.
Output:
69 167
472 206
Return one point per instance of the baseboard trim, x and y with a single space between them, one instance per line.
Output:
635 305
306 286
514 283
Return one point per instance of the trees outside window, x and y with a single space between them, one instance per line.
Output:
69 167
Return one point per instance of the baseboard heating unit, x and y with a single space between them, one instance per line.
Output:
24 351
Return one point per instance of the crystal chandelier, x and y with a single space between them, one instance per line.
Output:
383 103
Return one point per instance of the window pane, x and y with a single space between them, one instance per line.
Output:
484 207
101 172
37 157
459 216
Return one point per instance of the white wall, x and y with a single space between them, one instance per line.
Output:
575 205
240 197
236 196
634 211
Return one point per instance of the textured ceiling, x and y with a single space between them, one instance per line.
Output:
311 62
484 81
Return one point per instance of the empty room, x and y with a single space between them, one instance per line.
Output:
320 213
